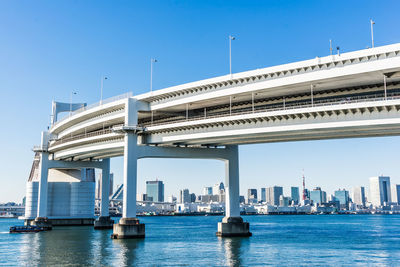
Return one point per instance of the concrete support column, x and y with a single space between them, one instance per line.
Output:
232 224
41 219
104 221
105 188
232 206
129 226
130 176
43 186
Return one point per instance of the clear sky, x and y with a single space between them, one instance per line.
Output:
50 48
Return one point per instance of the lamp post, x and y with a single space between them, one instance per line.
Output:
70 102
152 60
231 38
101 88
372 32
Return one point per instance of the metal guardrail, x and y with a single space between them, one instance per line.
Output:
85 135
103 102
244 111
280 107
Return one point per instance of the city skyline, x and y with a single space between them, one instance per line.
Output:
37 69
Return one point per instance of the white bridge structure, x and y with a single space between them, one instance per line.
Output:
355 94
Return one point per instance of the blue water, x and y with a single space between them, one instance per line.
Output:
190 241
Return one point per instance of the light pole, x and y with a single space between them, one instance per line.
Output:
372 31
152 60
101 88
70 102
231 38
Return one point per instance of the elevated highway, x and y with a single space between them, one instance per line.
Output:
354 94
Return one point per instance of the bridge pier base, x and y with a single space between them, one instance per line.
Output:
103 222
128 228
232 227
42 222
232 224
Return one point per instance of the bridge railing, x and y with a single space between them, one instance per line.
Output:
107 130
103 102
278 107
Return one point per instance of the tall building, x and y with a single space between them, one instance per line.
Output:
184 196
284 201
155 190
273 194
217 188
252 195
396 193
359 196
317 196
343 197
295 195
192 197
380 190
263 195
208 190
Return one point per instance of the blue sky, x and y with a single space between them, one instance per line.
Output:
50 48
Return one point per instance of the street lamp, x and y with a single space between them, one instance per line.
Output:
152 60
372 31
230 54
101 88
70 102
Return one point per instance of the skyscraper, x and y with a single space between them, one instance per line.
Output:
273 194
217 188
380 190
396 193
317 196
155 190
252 195
359 196
184 196
263 195
343 197
294 194
208 190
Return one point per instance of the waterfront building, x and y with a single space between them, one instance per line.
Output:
143 197
241 199
217 188
380 190
359 196
184 196
273 194
284 201
171 199
192 197
317 196
155 190
295 195
342 196
208 190
263 195
252 195
396 194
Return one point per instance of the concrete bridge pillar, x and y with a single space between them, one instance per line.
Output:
41 219
129 226
104 221
232 224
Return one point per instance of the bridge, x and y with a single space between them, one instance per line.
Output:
355 94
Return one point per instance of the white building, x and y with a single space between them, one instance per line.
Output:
379 187
396 193
359 196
